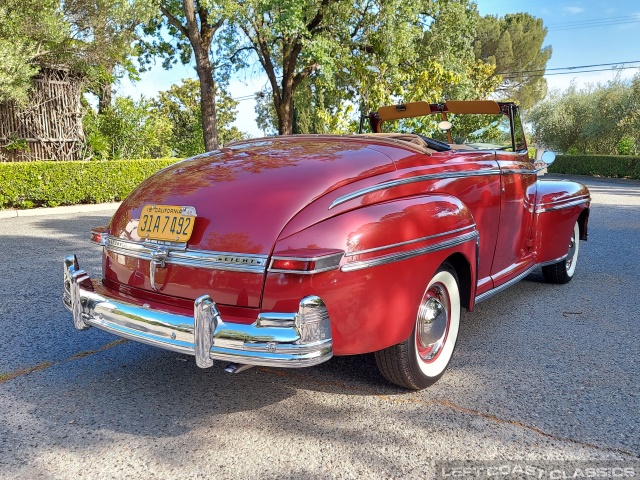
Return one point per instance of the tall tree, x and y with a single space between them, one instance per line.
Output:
386 51
193 24
298 40
514 44
180 104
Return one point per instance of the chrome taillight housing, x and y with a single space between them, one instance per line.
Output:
305 261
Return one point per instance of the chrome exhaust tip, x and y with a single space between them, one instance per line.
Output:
237 367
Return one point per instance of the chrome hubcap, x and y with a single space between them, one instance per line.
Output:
432 323
572 252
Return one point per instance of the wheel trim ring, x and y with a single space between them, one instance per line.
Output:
574 248
437 292
572 252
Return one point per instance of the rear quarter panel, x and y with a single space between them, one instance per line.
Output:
375 307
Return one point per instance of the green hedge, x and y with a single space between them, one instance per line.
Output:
616 166
49 184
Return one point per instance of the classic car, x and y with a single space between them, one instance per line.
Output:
285 251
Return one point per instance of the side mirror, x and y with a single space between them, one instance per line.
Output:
548 157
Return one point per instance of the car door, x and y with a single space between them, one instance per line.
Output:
514 247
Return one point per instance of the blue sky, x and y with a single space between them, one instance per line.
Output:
609 33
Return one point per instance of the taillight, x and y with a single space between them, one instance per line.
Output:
305 261
99 235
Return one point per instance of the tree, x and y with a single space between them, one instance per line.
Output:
104 33
193 24
32 32
180 105
513 43
600 119
370 53
128 129
297 40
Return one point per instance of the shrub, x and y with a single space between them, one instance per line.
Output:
127 130
616 166
35 184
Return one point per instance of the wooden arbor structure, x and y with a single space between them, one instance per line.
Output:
49 127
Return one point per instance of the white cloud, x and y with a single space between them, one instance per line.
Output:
573 10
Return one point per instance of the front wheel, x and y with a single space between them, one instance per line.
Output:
422 358
563 271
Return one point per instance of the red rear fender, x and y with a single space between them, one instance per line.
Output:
391 251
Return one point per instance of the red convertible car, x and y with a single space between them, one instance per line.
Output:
285 251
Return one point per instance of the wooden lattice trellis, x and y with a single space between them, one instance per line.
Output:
50 126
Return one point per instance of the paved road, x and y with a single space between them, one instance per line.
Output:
542 373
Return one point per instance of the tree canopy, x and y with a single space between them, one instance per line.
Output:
325 60
180 104
193 26
334 59
514 44
104 33
600 119
32 32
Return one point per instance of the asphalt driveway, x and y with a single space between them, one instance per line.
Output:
544 377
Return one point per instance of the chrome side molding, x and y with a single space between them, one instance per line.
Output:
398 256
405 181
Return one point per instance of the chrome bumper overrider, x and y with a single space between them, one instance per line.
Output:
299 339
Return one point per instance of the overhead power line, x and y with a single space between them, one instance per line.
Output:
569 68
596 23
572 72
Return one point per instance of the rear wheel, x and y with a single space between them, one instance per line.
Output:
563 271
422 358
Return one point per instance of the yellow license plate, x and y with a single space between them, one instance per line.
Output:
166 222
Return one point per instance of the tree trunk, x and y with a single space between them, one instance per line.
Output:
207 101
200 34
285 106
285 115
105 91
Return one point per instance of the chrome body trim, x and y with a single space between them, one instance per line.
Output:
179 254
505 285
103 239
404 181
409 242
564 203
521 171
324 263
551 262
396 257
297 339
303 272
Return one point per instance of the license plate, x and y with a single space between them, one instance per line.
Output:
166 222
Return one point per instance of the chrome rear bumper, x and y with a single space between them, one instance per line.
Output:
299 339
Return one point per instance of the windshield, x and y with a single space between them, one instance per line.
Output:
473 131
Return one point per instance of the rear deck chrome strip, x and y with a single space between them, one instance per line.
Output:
228 261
